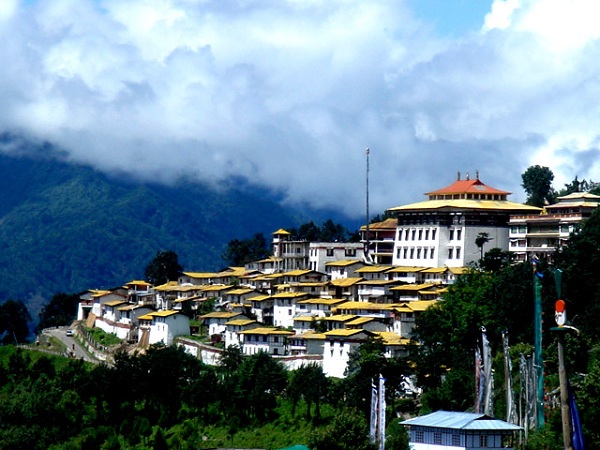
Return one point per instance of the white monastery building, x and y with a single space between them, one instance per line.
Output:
441 231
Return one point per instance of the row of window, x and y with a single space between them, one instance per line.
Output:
425 253
426 234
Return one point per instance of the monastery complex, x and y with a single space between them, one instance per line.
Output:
317 301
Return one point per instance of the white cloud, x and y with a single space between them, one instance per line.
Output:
289 93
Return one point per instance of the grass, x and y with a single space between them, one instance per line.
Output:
102 337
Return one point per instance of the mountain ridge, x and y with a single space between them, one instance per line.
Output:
67 227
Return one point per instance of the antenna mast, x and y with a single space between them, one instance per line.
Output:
367 243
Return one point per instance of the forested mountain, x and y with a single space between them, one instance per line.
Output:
66 227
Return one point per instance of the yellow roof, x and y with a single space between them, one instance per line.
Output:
240 291
310 335
321 301
145 317
412 287
391 338
166 286
458 270
240 322
373 269
267 331
360 321
259 298
435 270
289 295
201 274
415 305
99 292
340 317
501 205
297 273
233 272
305 318
343 263
220 315
166 313
115 302
216 287
140 282
345 332
409 269
281 231
345 282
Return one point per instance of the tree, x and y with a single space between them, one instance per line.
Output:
60 310
482 239
14 319
537 182
240 252
348 431
163 268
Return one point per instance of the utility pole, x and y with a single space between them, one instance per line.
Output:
538 360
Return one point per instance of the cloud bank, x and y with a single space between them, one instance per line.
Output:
288 93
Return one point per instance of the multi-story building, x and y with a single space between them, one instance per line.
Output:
541 234
442 230
381 238
289 254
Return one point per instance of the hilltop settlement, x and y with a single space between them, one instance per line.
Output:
317 301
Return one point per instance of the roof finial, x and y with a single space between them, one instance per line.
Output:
458 176
477 174
468 176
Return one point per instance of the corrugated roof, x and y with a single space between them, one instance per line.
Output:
342 263
461 421
267 331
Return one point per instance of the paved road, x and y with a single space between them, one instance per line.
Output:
71 343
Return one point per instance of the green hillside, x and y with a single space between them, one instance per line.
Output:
67 228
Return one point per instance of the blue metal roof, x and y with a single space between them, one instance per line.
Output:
461 421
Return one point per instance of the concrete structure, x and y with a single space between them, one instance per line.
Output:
162 326
291 254
381 240
273 341
543 233
444 430
442 230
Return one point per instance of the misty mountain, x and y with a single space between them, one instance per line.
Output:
66 227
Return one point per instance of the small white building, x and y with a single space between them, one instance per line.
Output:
337 347
162 326
273 341
445 430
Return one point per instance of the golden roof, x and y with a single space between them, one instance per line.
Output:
498 205
345 282
342 263
267 331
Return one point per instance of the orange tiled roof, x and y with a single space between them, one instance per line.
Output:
468 187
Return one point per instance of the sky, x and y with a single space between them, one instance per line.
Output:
288 94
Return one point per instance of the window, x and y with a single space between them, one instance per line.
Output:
275 351
433 234
275 338
406 235
458 234
419 436
426 235
329 252
437 438
451 235
483 440
458 253
398 252
413 234
412 253
400 235
432 253
350 252
405 252
418 253
425 253
450 253
456 440
420 235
